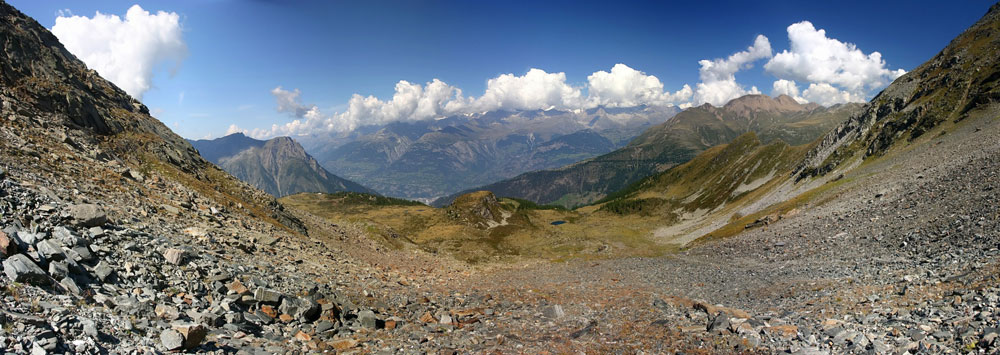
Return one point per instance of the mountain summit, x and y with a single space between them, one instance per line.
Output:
279 166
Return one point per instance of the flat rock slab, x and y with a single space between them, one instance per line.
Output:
88 215
20 268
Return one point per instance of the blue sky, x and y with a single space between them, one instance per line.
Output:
238 52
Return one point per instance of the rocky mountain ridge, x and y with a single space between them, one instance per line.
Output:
278 166
429 159
674 142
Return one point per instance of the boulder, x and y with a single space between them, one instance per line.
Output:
263 295
367 319
58 269
103 271
88 215
172 340
8 246
70 285
174 256
194 334
50 250
20 268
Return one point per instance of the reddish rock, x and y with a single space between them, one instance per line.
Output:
7 246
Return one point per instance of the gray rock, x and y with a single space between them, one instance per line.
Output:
554 312
50 250
89 328
65 236
20 268
263 295
880 348
719 323
80 253
172 340
96 232
263 317
58 269
367 319
323 326
103 271
302 309
70 285
28 238
88 215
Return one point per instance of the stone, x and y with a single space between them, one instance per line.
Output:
367 319
20 268
263 317
28 239
166 312
103 271
553 312
89 328
344 344
80 253
269 311
427 317
58 269
8 246
96 232
65 236
194 334
172 340
70 285
719 323
174 256
786 331
303 336
323 326
50 250
303 309
88 215
237 287
263 295
445 319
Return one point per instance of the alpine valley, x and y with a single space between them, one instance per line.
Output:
761 226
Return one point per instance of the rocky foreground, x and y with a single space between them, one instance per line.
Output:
117 237
900 262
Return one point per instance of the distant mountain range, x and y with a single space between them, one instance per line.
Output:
279 166
671 143
433 158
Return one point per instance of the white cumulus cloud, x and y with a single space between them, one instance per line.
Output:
718 76
827 95
125 51
535 90
836 68
625 87
532 91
